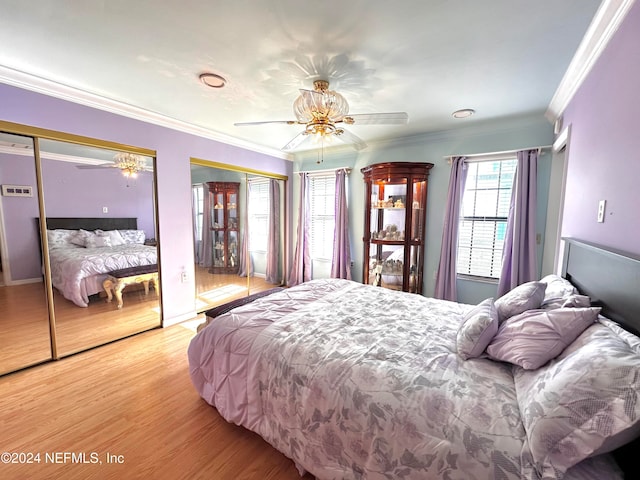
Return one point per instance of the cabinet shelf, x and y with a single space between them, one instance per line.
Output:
225 233
395 263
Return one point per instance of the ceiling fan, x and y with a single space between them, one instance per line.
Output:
322 110
129 163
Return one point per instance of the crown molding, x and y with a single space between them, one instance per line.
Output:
605 23
41 85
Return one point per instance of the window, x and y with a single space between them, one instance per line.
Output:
258 215
322 192
198 208
483 219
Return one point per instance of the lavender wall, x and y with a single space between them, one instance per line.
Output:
604 145
19 214
174 150
74 192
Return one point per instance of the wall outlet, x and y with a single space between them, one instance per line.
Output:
601 205
183 277
105 209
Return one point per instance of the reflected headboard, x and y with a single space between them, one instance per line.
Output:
610 278
100 223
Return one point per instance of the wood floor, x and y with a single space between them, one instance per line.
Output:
24 324
131 401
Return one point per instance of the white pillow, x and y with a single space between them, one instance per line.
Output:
557 290
113 235
97 241
60 238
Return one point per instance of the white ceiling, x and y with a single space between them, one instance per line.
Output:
425 57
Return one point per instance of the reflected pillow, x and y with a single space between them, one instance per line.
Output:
534 337
60 237
113 235
132 236
479 326
527 296
96 241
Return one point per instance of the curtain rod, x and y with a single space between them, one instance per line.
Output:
539 148
326 170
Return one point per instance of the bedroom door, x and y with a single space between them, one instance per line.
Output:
24 316
105 200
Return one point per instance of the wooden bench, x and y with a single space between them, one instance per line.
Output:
118 279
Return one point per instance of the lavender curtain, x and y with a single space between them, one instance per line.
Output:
272 274
446 277
341 261
245 265
204 251
519 263
301 268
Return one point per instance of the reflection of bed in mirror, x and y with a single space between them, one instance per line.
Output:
82 251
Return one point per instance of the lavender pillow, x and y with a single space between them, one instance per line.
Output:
584 402
522 298
534 337
479 326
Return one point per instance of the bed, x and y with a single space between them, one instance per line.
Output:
352 381
82 251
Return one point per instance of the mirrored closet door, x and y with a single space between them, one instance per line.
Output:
239 232
24 316
100 220
78 251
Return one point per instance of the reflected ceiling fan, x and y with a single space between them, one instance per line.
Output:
322 110
129 163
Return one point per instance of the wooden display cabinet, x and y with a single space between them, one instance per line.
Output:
394 224
224 226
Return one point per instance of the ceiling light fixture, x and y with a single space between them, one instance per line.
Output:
213 80
464 113
321 112
129 163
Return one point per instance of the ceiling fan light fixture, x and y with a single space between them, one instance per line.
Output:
129 163
213 80
321 103
463 113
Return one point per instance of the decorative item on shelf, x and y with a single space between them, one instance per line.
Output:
377 281
415 205
389 202
412 279
231 206
398 203
218 206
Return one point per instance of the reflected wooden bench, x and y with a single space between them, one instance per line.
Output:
119 279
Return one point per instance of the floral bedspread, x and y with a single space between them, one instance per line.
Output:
372 387
358 382
70 266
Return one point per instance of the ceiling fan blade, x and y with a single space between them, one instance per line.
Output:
348 137
246 124
99 165
393 118
295 141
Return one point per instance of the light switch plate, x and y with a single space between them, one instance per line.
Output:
601 205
